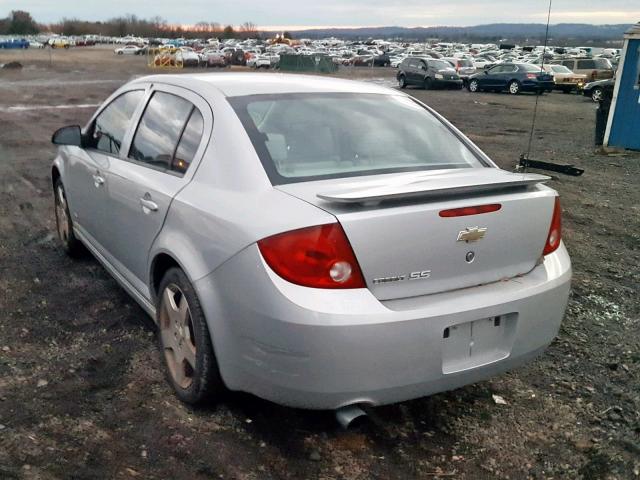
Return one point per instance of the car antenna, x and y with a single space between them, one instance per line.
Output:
525 160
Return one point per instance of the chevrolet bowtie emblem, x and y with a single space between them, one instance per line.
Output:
472 234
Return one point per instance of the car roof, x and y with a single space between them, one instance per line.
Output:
240 84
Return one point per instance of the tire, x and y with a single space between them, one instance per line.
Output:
514 87
428 83
185 342
474 86
596 94
120 53
64 225
402 81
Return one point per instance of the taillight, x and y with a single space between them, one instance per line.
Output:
318 257
555 230
532 75
475 210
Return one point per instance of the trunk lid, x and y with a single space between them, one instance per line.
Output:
405 248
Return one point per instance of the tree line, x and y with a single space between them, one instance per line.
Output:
22 23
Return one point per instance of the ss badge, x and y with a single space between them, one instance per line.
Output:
420 275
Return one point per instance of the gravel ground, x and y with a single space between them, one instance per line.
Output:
82 393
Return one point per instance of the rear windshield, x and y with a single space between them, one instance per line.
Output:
313 136
465 63
560 69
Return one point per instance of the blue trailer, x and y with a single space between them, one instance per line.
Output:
623 124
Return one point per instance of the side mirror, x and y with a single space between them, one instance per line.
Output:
70 135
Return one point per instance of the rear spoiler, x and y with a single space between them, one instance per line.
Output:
434 184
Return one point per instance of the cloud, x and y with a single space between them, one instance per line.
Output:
333 12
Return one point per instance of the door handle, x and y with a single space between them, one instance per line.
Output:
98 180
148 205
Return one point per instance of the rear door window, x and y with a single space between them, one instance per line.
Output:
159 130
111 125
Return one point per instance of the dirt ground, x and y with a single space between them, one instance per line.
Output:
82 393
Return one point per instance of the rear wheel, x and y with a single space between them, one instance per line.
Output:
402 81
185 341
64 225
474 86
428 83
514 87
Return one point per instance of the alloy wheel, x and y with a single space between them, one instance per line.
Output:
62 219
596 95
514 88
177 335
473 86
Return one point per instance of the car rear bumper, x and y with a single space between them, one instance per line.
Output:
323 349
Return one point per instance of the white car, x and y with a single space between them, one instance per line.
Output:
322 243
128 50
481 63
396 61
265 61
190 57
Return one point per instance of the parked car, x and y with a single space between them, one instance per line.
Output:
595 90
464 67
215 59
36 44
127 50
189 57
428 73
593 68
59 43
322 243
396 61
362 61
264 61
481 63
512 77
564 79
14 43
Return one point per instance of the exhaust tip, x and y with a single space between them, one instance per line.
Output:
350 416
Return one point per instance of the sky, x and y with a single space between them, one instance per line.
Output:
298 14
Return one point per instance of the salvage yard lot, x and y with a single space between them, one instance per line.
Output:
81 388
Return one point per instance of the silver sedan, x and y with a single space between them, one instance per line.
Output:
316 242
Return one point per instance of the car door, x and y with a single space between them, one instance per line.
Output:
490 78
163 153
85 182
409 71
508 73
